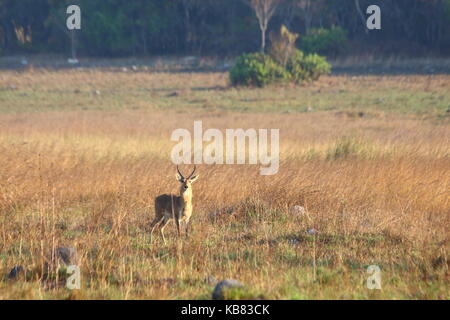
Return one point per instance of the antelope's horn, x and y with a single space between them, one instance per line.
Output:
192 172
178 170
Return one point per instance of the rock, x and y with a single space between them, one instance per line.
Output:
72 61
134 68
297 210
124 69
67 255
173 94
312 231
218 292
15 272
97 92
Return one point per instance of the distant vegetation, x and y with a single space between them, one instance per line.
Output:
283 63
221 27
363 180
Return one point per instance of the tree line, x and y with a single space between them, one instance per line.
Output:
220 27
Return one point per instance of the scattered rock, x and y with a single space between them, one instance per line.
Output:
218 293
312 231
134 68
124 69
173 94
16 272
97 92
293 242
67 255
297 210
72 61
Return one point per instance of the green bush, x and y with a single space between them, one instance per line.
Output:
324 41
309 67
257 69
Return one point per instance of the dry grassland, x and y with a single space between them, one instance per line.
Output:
83 154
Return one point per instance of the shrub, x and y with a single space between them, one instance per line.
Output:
309 67
257 69
324 41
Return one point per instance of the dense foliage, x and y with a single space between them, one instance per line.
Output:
257 69
223 27
308 67
324 41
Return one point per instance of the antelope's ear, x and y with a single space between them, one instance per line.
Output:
179 177
192 179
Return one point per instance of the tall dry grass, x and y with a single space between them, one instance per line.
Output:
377 191
375 187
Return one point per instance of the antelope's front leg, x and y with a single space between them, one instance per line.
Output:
177 222
187 228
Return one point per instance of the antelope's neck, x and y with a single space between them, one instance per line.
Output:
187 201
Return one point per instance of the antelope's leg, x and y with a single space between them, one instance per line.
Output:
187 228
163 225
153 225
178 227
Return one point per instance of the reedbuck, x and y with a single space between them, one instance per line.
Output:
168 206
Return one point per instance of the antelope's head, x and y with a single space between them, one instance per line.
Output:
186 183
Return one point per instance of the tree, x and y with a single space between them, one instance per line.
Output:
264 10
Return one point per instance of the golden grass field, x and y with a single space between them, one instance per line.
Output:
83 153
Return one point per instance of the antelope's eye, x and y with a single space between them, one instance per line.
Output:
185 186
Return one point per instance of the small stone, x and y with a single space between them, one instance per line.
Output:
15 272
97 92
124 69
218 293
312 231
173 94
297 210
67 255
134 68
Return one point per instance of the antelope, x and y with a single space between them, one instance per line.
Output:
179 208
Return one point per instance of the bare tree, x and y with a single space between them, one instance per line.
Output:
362 16
264 10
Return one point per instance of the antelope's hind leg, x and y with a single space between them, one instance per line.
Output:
154 224
163 225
